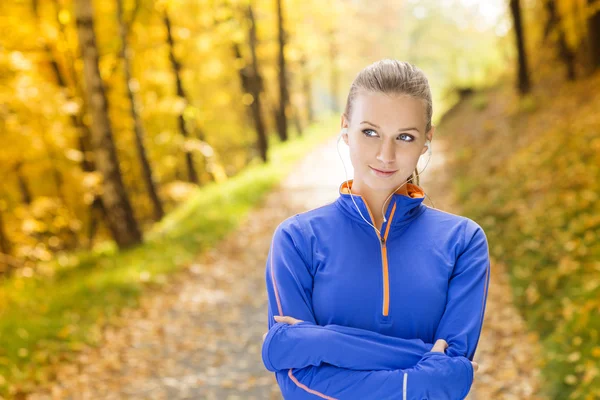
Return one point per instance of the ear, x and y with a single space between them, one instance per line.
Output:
431 132
428 136
345 137
344 124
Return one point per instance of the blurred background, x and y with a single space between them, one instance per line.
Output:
136 134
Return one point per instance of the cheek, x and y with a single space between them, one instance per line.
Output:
408 162
353 159
359 156
408 156
360 148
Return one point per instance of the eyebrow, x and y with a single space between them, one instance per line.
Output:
399 130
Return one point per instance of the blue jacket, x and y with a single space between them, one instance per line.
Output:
372 307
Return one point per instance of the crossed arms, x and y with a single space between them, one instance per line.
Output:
339 362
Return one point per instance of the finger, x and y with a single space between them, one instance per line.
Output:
475 365
438 349
287 320
440 346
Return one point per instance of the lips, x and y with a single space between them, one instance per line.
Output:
383 171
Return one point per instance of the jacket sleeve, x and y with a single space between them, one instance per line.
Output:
462 320
289 278
303 344
435 377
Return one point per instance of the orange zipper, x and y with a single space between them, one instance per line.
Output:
384 262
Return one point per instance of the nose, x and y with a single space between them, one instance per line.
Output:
387 152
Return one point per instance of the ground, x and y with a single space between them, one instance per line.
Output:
200 338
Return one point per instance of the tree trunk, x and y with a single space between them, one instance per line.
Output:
257 88
297 121
56 175
5 249
593 24
138 128
283 90
191 170
523 83
333 52
97 210
307 89
58 183
252 83
5 246
554 24
23 188
119 212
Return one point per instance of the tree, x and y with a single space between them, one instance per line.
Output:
96 209
5 248
189 161
283 88
334 80
523 83
23 188
593 24
138 128
119 212
307 89
553 24
252 82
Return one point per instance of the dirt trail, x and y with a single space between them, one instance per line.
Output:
201 337
506 352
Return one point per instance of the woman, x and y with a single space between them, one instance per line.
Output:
367 292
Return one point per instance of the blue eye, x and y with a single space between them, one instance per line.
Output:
367 130
402 134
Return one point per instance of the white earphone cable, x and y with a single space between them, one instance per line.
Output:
384 203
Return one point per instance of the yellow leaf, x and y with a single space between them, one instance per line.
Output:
64 16
65 331
573 357
570 379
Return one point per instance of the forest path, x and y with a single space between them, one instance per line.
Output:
201 336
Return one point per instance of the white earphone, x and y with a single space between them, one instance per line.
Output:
345 131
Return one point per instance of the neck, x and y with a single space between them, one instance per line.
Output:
376 199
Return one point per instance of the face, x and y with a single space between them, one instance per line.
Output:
380 137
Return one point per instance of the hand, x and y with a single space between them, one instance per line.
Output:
285 320
441 345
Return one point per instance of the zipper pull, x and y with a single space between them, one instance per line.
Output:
382 240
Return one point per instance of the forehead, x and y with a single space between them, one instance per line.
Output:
388 110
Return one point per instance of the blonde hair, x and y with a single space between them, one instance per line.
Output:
393 77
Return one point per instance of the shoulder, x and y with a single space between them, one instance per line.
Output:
298 225
302 228
445 217
464 229
317 212
304 223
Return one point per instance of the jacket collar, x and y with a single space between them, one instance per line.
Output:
400 209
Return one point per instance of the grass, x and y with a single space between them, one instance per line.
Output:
538 203
45 319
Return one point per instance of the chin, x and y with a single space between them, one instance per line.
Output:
377 183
